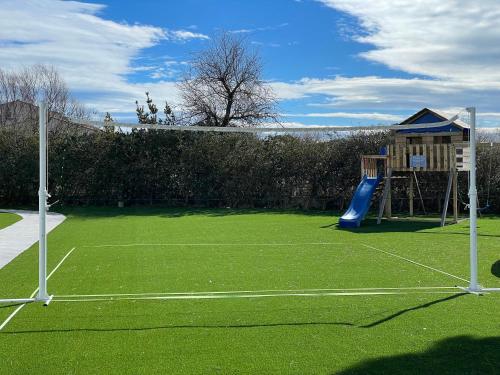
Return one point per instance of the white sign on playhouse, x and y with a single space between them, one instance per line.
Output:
418 161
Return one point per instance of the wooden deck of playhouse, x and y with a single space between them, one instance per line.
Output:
438 157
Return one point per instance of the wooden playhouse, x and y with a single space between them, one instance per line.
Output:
441 149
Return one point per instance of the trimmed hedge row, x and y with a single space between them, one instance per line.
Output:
206 169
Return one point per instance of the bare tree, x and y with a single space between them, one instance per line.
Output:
224 86
20 90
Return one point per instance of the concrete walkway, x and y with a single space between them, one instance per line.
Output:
21 235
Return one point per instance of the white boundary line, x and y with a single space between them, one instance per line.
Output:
216 244
490 289
239 296
267 291
61 262
19 308
416 263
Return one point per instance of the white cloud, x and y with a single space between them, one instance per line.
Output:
452 39
273 45
184 35
350 115
143 68
93 54
264 28
371 92
451 45
490 115
123 101
367 91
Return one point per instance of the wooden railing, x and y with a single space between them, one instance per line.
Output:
418 157
423 157
373 165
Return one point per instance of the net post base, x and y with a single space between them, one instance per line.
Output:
477 292
48 300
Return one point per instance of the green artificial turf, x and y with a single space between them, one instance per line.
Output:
7 219
229 250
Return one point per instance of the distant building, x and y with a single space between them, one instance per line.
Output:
23 117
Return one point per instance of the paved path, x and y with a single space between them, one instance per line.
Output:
21 235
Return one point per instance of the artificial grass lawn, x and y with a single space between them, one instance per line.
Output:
407 333
7 219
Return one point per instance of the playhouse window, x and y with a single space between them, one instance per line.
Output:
466 134
414 140
445 139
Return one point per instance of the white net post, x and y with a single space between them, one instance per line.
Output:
474 285
42 206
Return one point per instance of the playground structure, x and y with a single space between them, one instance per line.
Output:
443 149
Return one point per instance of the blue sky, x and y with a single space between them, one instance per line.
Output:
328 61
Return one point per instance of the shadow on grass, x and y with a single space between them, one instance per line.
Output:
456 355
183 326
495 268
169 212
12 305
462 234
371 226
414 226
249 325
419 307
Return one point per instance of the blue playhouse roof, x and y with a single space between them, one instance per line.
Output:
426 116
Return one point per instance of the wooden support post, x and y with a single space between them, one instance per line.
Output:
385 194
388 201
411 195
419 192
455 196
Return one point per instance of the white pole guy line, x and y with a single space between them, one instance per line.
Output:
415 262
42 206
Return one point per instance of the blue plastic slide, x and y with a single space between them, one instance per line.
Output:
360 203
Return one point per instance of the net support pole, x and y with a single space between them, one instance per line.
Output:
474 285
42 206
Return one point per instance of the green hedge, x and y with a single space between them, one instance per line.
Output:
204 169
